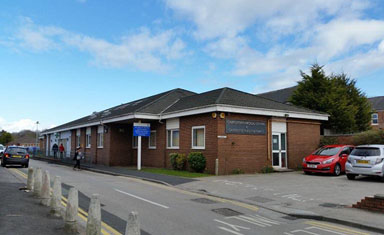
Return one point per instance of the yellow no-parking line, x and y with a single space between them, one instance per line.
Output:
105 230
335 228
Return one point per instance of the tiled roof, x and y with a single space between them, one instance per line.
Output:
281 95
377 102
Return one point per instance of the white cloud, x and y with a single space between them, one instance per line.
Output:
144 50
22 124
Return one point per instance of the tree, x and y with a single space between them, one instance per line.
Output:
337 95
5 137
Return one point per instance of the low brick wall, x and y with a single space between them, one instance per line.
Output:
375 203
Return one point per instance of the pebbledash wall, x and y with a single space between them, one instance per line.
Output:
249 153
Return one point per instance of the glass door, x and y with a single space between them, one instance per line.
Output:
279 150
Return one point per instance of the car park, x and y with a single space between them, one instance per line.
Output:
15 155
367 160
329 159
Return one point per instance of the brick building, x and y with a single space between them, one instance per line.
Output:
243 131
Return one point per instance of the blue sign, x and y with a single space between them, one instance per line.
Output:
141 130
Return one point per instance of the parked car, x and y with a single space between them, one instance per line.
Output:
327 159
15 155
366 160
2 148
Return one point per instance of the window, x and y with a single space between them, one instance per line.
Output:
173 138
88 138
100 136
78 137
198 137
152 140
135 141
375 119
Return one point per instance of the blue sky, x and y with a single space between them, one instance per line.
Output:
61 60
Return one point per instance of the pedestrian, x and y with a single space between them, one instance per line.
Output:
61 149
77 158
55 148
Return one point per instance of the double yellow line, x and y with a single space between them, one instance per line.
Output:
335 228
105 228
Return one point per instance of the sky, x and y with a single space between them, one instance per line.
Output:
64 59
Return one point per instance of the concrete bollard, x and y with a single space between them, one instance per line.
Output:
133 225
217 166
30 179
70 224
45 189
94 216
56 197
37 182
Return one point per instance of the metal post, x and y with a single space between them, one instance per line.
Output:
139 153
37 135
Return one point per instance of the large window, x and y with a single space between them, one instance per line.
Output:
152 140
173 138
100 137
198 137
88 138
375 119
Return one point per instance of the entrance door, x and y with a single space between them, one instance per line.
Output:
279 150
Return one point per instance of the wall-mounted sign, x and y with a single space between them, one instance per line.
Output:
141 129
243 127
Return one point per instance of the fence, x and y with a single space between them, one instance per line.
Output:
66 157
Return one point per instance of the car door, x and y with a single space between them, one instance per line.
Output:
343 160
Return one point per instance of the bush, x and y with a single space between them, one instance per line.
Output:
178 161
369 137
237 171
197 161
267 169
328 140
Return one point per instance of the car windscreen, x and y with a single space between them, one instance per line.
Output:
327 151
366 151
16 151
1 147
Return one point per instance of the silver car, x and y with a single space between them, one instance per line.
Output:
366 160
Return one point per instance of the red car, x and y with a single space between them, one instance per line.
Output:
327 159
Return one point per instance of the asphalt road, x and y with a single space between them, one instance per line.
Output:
168 210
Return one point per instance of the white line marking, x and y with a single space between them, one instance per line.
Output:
251 222
261 218
233 226
300 230
327 230
228 230
143 199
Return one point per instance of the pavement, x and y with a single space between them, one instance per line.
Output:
20 213
318 197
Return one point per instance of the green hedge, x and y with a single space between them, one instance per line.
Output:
178 161
328 140
197 161
369 137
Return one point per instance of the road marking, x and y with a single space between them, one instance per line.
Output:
143 199
326 230
256 220
81 213
300 231
335 227
235 228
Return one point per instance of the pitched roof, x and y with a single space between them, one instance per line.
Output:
377 102
149 105
281 95
232 97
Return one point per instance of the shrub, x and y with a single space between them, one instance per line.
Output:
178 161
197 161
267 169
237 171
328 140
369 137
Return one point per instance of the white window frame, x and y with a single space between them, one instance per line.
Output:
100 137
171 144
194 128
377 119
149 140
133 141
88 138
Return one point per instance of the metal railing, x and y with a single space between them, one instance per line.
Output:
65 157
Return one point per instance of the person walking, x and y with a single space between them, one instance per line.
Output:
55 148
61 149
77 158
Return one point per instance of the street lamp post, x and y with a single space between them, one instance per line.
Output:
37 135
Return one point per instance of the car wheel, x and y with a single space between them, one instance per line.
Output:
307 172
337 170
351 177
26 165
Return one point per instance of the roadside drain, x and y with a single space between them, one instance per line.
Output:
203 200
260 199
332 205
226 212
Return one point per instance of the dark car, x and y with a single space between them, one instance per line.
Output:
15 155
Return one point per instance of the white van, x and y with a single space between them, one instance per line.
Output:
366 160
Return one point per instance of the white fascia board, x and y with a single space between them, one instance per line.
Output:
243 110
122 118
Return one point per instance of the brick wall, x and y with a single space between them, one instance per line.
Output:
303 139
103 154
371 203
380 120
246 152
120 142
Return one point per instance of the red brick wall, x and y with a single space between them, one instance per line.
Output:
303 139
103 154
73 143
380 121
248 153
120 153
